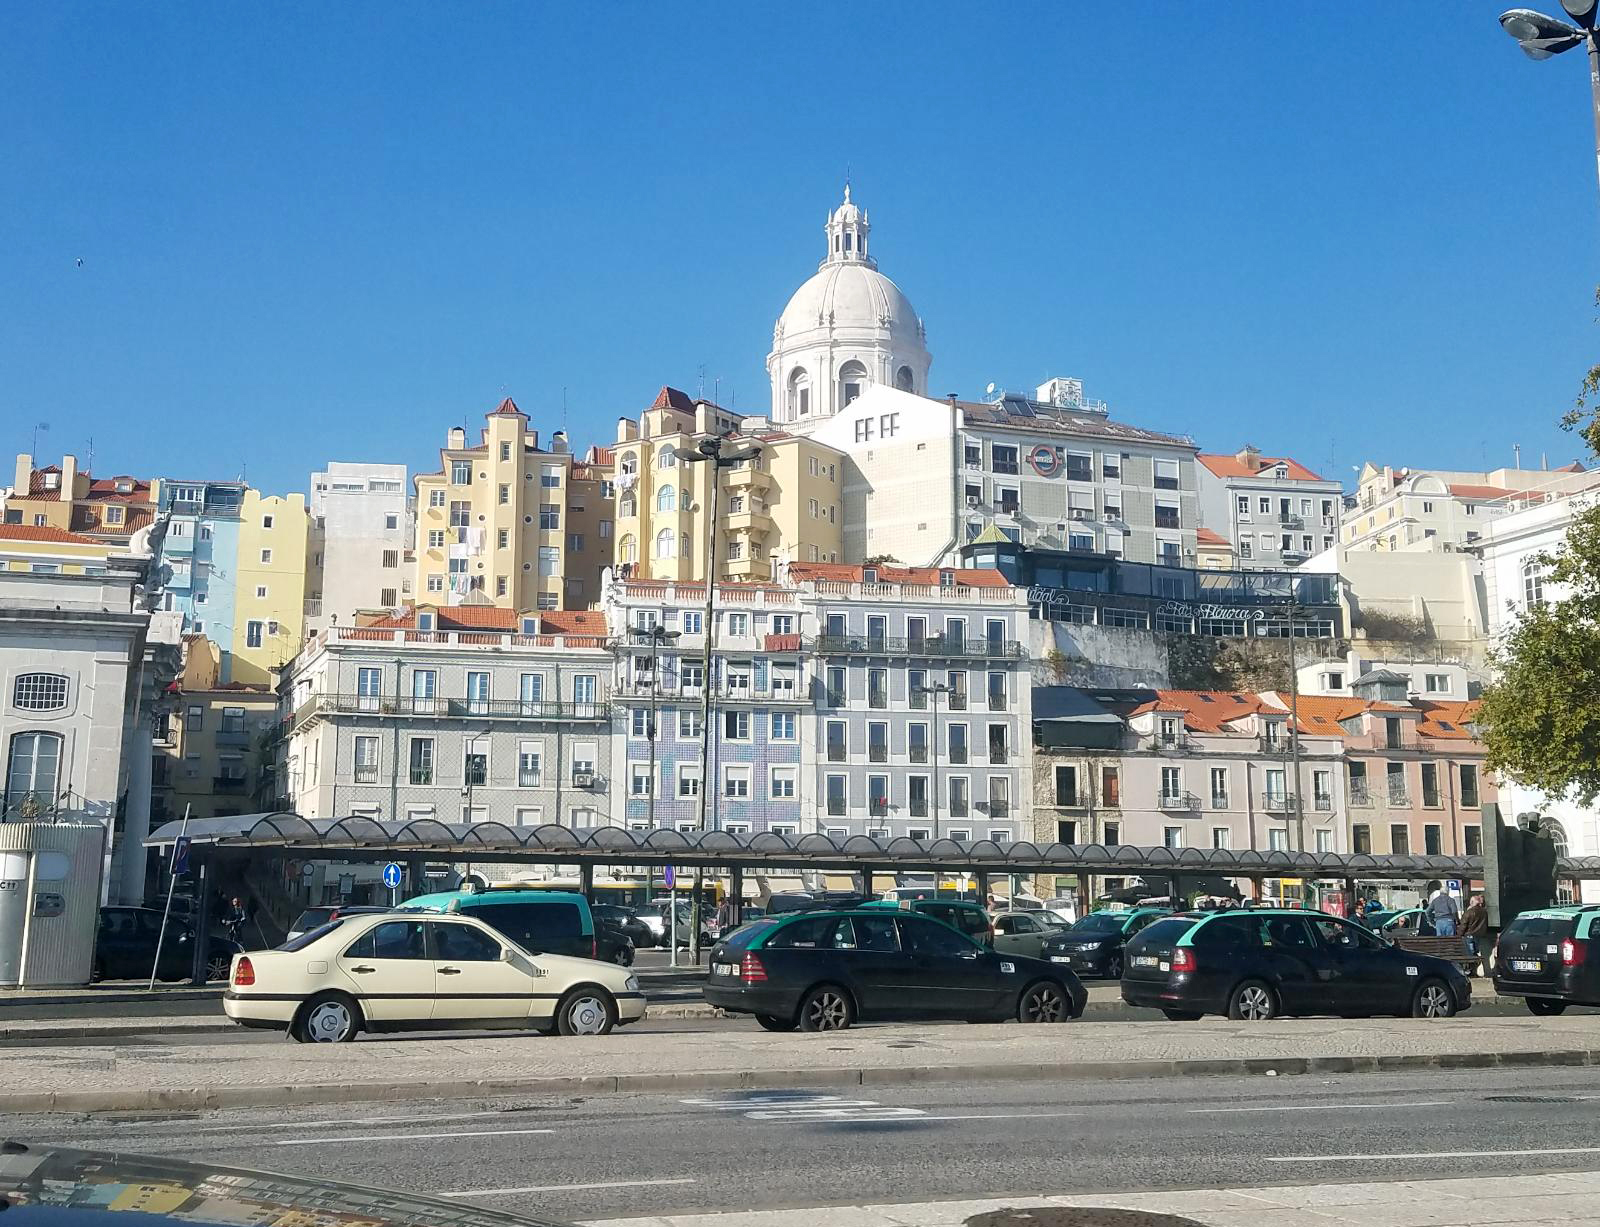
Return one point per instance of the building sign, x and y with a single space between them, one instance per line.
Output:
1219 613
1050 597
1046 461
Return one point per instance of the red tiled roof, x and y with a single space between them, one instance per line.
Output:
36 486
1479 492
602 457
508 408
671 398
1232 466
1575 467
492 617
43 532
105 488
1457 715
1207 711
1204 536
965 577
89 518
573 622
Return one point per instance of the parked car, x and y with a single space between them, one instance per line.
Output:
1412 922
316 917
125 947
656 916
1094 945
624 919
1023 933
424 971
960 914
1265 962
1545 958
823 971
544 921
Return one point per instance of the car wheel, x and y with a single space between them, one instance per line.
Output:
586 1011
623 956
826 1008
1114 967
771 1022
1544 1007
1182 1015
1253 1001
217 967
1043 1002
328 1018
1433 1000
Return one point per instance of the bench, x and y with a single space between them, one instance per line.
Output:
1453 949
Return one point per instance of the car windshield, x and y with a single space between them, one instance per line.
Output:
311 935
1101 922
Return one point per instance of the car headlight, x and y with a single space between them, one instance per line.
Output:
632 984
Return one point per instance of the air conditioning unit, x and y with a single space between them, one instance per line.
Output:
1081 513
583 779
973 500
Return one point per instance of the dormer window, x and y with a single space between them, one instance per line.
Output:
869 575
947 579
113 515
425 621
1169 729
124 486
52 481
530 626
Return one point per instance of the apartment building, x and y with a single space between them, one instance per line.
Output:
1053 470
922 697
459 714
45 550
1273 510
360 551
213 750
1433 509
758 695
1439 678
782 505
105 509
496 522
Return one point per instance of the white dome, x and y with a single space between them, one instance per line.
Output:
852 299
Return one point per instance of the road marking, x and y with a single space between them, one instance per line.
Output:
409 1137
318 1124
1434 1154
914 1116
1319 1107
567 1188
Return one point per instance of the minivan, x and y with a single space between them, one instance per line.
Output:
540 921
1547 957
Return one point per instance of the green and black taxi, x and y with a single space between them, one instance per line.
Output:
1260 963
1095 944
1547 958
822 971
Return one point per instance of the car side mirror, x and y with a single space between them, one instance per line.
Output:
507 955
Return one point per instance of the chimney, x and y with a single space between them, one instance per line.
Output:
627 430
558 442
69 478
24 476
1249 456
458 438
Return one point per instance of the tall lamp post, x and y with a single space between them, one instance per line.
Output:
1541 37
656 636
935 689
708 451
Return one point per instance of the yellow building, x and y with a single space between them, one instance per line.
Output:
783 504
109 509
507 521
212 759
269 584
41 548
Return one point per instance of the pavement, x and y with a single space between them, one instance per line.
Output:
1225 1149
203 1073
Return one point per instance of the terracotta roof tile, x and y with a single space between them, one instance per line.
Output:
1232 466
573 622
1479 492
493 618
965 577
1457 715
508 408
44 532
1205 536
671 398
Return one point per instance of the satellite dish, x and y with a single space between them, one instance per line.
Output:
990 389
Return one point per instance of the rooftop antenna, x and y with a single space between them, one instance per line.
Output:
700 393
716 390
1516 450
88 463
563 408
37 427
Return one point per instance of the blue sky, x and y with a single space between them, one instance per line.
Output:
331 231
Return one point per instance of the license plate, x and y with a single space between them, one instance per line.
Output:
1145 960
724 969
1061 958
1526 965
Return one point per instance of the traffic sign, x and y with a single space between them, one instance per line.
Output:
391 875
1453 886
180 856
669 877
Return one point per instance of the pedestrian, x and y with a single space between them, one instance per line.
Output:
1444 911
233 919
1475 927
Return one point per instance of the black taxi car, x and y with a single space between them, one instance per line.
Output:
1095 944
822 971
1260 963
1545 958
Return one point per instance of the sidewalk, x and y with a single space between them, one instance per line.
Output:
85 1077
1530 1201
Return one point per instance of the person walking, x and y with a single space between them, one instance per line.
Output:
1444 911
1475 927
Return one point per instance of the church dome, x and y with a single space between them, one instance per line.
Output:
854 298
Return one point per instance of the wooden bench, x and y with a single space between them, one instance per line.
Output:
1452 948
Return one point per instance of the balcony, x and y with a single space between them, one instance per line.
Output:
1277 746
1399 797
1291 522
494 709
1277 802
1323 805
918 754
837 752
749 520
746 477
1174 744
958 756
878 752
932 647
1359 795
1179 802
1219 800
228 784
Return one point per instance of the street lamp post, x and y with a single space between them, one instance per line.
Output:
1541 37
658 635
935 689
708 451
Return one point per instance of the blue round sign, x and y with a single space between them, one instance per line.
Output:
669 877
391 875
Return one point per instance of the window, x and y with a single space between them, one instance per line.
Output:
736 782
781 783
835 792
999 796
783 726
421 760
1171 785
477 693
1469 785
436 538
1532 582
1066 785
1221 838
736 726
33 774
640 783
1433 839
530 764
549 560
1219 788
1167 476
877 688
549 516
836 742
1430 784
1361 838
998 751
738 624
253 633
688 780
1472 840
1400 839
689 724
39 692
1003 458
1436 683
461 472
266 557
475 763
666 543
917 742
956 744
877 741
366 760
436 498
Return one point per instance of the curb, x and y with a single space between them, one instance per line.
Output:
212 1098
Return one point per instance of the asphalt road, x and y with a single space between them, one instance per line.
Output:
618 1155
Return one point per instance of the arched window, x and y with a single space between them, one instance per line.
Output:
666 543
667 498
1532 583
628 464
33 774
852 378
799 393
626 506
903 379
1557 833
684 501
628 549
685 546
668 458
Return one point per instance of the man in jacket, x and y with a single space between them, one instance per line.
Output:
1475 924
1444 911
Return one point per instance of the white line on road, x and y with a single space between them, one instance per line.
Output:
1435 1154
567 1188
866 1117
1318 1107
409 1137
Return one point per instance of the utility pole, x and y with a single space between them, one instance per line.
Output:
935 689
1294 720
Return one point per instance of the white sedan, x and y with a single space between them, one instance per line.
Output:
386 972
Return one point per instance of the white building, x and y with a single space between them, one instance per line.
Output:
1447 678
1428 510
846 328
77 708
1514 580
360 531
1273 510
